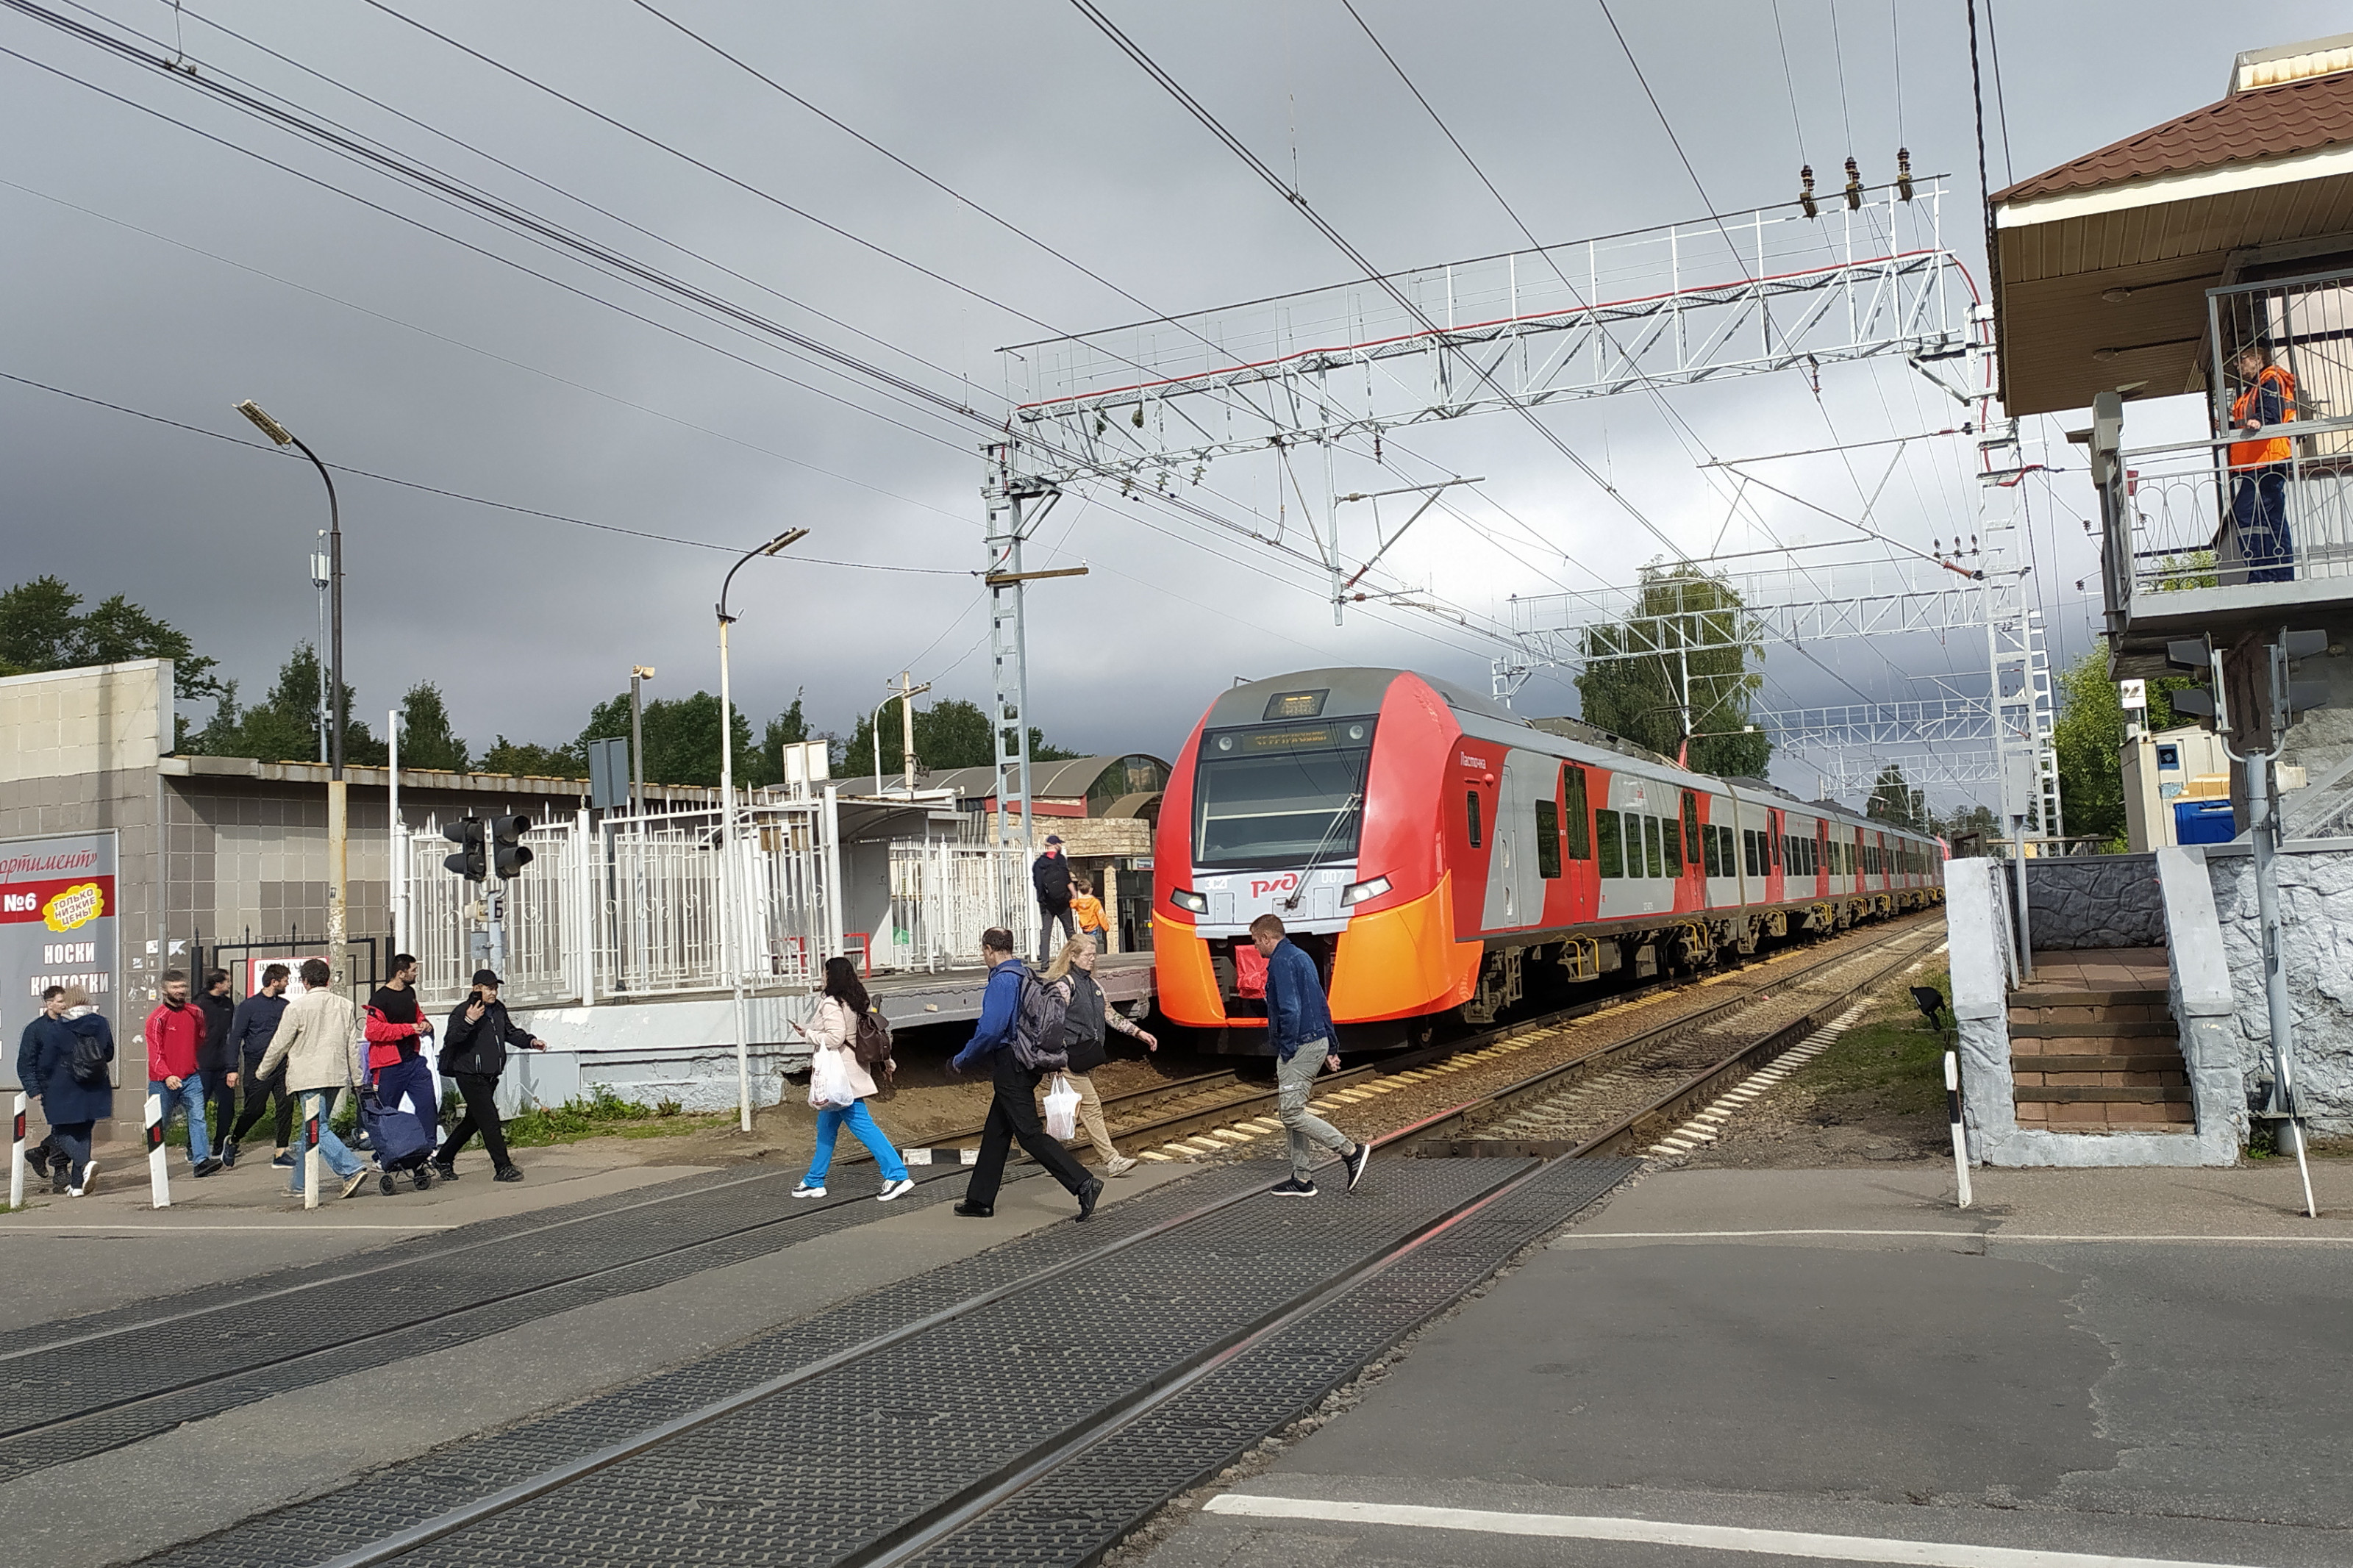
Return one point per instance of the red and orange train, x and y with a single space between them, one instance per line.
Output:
1440 856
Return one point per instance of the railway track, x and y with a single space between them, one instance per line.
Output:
949 1418
1623 1076
1623 1101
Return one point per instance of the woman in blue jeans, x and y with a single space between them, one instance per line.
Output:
835 1028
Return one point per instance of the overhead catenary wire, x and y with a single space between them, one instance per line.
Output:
554 237
244 445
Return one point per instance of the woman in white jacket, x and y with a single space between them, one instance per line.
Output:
835 1028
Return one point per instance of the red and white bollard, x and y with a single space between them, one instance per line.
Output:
313 1162
159 1180
17 1160
1953 1113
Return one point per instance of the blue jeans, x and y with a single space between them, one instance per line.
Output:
188 1096
340 1160
2259 511
829 1122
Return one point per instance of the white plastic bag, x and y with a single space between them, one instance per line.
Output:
829 1079
1061 1108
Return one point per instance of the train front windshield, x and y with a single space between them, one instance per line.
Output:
1280 795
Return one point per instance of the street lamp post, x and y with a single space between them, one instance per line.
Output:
338 805
728 914
904 695
638 675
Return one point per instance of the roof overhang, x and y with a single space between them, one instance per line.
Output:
2105 288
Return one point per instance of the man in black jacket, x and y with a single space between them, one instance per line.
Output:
1050 875
251 1029
215 1060
474 1048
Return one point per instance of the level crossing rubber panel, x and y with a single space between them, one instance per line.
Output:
822 1471
192 1357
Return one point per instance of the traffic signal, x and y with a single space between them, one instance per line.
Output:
506 833
471 861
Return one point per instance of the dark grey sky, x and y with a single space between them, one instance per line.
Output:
392 349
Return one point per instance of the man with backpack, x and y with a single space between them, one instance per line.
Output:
1019 1038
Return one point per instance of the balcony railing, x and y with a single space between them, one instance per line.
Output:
2196 523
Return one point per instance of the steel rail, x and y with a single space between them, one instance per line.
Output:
1423 1137
426 1531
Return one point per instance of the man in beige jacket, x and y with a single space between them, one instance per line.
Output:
318 1043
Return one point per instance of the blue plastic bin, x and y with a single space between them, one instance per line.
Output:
2203 822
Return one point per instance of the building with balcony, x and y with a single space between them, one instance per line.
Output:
2209 256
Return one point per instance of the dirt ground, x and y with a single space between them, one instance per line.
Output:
1876 1097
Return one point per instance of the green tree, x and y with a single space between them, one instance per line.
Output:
1688 631
951 733
682 740
1966 820
2089 735
1893 799
43 626
532 760
283 727
427 739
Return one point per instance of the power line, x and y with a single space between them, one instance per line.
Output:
1339 241
2000 103
247 446
1789 81
478 349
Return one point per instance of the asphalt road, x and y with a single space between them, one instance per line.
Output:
2026 1377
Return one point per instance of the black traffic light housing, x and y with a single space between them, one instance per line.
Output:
472 861
506 835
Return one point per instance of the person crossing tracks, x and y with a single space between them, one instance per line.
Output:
1299 1022
1018 1039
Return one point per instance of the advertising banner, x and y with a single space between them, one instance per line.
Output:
58 926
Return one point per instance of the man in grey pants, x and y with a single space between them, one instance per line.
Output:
1300 1024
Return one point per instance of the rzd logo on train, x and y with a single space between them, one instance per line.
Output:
1282 884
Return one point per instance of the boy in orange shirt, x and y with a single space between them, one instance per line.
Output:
1088 910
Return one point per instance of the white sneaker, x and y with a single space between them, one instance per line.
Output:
897 1189
1118 1165
88 1180
806 1191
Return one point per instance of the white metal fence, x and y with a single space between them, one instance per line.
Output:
632 906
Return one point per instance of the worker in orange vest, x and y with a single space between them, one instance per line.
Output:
2259 467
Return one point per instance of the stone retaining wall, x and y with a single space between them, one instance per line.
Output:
2091 900
2316 883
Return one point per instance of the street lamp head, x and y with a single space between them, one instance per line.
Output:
265 423
790 536
641 672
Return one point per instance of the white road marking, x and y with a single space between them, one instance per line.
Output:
1666 1532
291 1225
1956 1235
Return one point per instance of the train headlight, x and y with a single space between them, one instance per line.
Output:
1357 893
1187 899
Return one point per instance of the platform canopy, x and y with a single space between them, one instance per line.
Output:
2104 262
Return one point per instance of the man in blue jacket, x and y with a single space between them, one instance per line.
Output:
1300 1025
251 1029
1013 1113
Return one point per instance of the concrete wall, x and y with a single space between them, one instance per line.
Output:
2315 882
2091 900
1983 949
104 719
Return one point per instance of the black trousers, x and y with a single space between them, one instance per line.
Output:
260 1094
1013 1113
220 1107
480 1094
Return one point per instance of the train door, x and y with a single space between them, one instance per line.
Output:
1515 882
1581 889
1691 890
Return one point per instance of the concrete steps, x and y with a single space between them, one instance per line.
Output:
2098 1061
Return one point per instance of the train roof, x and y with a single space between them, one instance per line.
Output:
1355 690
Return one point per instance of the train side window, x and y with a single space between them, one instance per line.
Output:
1656 860
1471 815
1711 853
1724 841
1691 822
1675 847
1547 838
1578 822
1749 850
1613 848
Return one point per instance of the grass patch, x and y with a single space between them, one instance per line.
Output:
1892 1055
602 1114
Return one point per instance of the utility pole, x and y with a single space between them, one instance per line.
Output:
319 577
338 804
907 695
638 675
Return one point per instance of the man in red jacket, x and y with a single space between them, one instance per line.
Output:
175 1036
